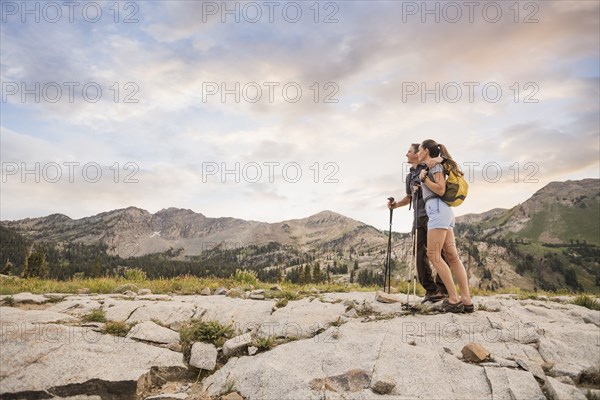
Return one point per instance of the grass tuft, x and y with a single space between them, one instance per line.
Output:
586 301
117 328
97 315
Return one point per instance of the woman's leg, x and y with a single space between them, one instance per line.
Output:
435 242
457 267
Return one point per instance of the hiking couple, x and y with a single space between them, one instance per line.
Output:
433 222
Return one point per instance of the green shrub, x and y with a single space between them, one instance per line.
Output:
264 343
9 301
586 301
95 316
245 277
200 331
117 328
281 303
135 274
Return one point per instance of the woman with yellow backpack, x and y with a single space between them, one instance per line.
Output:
440 235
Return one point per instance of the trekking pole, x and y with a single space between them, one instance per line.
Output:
388 260
415 262
410 266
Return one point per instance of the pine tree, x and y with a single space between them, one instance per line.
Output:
317 276
36 265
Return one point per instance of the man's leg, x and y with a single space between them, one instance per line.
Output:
423 267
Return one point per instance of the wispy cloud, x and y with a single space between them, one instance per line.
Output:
388 77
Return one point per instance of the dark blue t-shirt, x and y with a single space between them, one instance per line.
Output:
417 198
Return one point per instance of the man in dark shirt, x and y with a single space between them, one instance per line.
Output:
434 289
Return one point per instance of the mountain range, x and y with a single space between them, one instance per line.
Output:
549 241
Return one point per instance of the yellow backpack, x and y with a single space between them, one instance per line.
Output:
456 186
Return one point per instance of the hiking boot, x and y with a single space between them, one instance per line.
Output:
455 308
434 297
469 308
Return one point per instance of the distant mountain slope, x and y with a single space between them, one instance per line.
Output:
179 228
551 241
557 213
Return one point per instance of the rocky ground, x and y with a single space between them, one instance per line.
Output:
324 346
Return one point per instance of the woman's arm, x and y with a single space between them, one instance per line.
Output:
439 186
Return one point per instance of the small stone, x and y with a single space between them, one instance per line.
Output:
351 313
221 292
205 292
256 296
83 291
474 352
315 290
252 350
276 288
129 293
505 363
383 297
232 396
567 380
168 396
203 356
384 385
177 347
176 326
233 293
236 345
144 292
127 287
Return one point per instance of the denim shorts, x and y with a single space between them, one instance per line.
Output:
440 214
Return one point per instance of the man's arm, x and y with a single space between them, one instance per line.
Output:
405 201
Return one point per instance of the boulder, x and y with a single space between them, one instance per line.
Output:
68 360
143 292
205 292
300 319
148 331
560 391
29 298
383 297
167 312
75 307
236 345
221 292
474 352
203 356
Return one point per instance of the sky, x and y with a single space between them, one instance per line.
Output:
277 110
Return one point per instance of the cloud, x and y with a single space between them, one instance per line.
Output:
363 61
